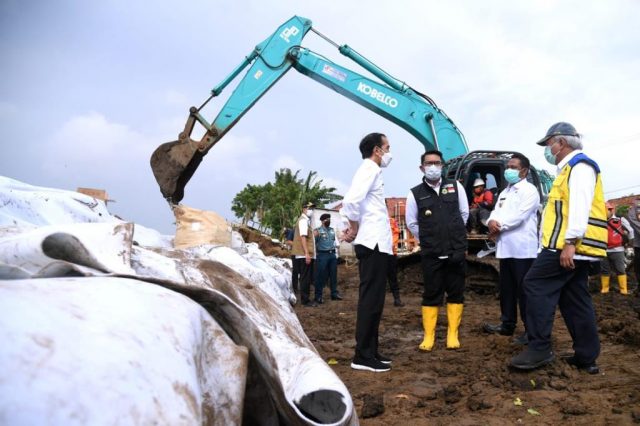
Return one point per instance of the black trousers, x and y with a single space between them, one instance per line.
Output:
636 263
372 265
547 285
443 276
512 273
392 276
306 274
295 272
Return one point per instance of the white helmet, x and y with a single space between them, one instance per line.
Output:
478 182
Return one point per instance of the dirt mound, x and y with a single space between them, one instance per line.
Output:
268 247
474 385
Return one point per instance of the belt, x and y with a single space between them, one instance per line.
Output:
326 251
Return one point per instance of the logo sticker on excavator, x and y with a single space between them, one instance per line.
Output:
258 74
288 32
337 74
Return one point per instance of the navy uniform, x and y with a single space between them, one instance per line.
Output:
326 259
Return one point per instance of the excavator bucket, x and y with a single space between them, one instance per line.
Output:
173 164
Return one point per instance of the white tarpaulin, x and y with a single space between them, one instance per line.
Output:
121 299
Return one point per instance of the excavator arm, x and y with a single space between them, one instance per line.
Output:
174 163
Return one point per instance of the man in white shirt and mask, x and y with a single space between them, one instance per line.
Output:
514 225
436 213
367 226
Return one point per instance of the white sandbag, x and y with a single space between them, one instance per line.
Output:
104 351
105 247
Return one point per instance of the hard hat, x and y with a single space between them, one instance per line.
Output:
478 182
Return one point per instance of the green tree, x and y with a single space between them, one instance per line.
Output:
277 204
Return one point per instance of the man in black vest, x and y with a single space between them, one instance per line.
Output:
436 213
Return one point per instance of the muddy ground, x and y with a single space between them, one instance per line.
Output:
473 385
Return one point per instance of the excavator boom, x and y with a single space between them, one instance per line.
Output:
174 163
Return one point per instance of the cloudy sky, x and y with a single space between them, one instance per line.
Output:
88 89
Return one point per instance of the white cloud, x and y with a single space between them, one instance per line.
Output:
288 162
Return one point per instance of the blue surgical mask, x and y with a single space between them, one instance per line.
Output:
512 175
550 156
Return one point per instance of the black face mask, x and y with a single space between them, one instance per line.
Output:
327 222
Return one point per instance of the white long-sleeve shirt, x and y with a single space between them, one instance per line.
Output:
517 213
582 187
364 203
411 211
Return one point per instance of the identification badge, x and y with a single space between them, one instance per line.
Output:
448 189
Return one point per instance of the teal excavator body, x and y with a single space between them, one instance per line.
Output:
174 163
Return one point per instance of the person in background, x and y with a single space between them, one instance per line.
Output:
514 225
436 212
633 217
480 207
392 272
326 259
367 226
620 232
304 249
289 234
574 233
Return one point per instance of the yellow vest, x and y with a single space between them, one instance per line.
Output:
556 214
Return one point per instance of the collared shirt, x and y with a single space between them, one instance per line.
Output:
582 187
364 203
517 213
303 228
411 212
326 239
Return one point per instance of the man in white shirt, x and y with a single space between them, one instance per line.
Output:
574 233
436 212
514 225
367 226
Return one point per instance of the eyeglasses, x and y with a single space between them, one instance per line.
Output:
432 163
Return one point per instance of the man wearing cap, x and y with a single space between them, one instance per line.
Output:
514 226
634 220
367 226
326 259
620 232
574 233
480 207
304 249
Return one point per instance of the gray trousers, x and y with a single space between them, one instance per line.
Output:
614 262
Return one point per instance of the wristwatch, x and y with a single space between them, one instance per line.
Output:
570 242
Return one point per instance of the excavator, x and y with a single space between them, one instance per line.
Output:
174 163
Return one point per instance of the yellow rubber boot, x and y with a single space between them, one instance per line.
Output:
622 283
605 284
454 315
429 320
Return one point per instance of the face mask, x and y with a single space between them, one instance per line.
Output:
432 173
550 156
327 223
386 159
512 175
309 212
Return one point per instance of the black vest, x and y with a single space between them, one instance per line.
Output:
442 230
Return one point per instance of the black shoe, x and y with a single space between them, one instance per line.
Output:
498 328
397 302
319 301
310 304
530 359
383 359
369 365
589 368
337 297
522 339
